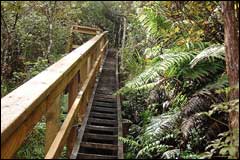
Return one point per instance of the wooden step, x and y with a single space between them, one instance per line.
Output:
102 95
102 128
109 91
104 104
103 115
94 156
110 100
108 79
102 121
106 87
100 136
99 146
104 109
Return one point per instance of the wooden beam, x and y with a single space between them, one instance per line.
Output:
73 90
104 46
8 148
120 144
52 122
86 30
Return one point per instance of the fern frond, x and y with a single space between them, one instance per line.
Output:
155 147
162 124
128 141
156 70
171 154
211 88
210 53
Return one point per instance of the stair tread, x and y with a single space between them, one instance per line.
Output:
104 109
101 128
107 104
102 121
99 145
100 136
100 99
104 115
95 156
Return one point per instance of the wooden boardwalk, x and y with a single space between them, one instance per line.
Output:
98 136
88 74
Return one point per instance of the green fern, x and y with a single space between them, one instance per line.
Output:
163 123
157 69
128 141
155 147
209 90
171 154
211 53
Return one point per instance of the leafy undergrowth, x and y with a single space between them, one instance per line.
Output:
175 90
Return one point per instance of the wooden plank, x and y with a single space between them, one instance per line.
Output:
99 146
106 115
89 64
100 136
120 144
101 128
8 148
86 30
105 96
107 91
104 109
73 90
94 156
101 99
104 46
52 122
102 121
19 104
60 139
104 104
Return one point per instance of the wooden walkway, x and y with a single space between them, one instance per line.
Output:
98 136
88 74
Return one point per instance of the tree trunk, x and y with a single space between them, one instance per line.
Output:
231 40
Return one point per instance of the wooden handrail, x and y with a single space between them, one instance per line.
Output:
86 30
24 107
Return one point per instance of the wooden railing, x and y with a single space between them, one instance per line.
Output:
39 97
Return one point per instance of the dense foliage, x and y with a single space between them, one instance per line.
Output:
177 66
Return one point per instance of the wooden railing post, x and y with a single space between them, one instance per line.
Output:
89 64
73 90
52 122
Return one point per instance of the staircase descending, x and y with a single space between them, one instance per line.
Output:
99 138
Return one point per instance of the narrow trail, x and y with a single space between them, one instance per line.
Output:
98 136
